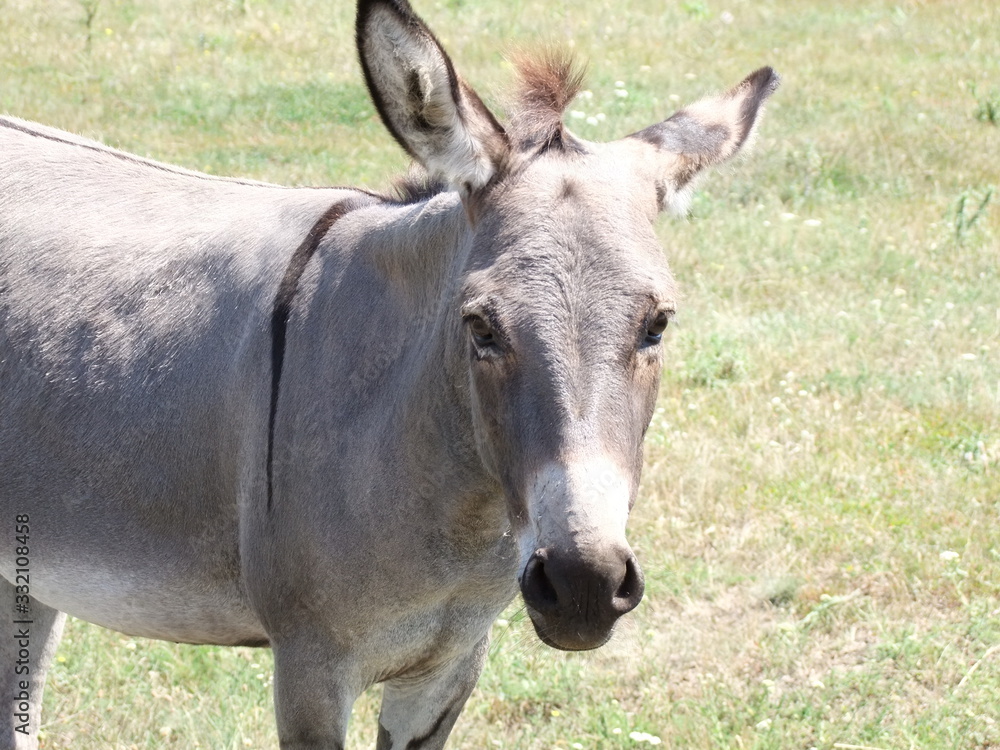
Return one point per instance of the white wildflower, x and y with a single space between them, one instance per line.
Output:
652 739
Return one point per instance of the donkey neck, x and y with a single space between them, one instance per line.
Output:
423 254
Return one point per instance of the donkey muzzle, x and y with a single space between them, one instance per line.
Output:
574 600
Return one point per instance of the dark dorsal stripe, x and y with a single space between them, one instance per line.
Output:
133 159
283 307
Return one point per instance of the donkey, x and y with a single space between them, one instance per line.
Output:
343 425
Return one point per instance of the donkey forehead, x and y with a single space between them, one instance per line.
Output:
614 181
581 222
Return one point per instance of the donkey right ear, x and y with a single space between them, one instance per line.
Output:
430 111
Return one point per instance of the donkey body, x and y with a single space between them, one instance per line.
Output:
343 425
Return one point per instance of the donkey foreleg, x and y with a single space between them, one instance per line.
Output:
28 640
315 686
419 712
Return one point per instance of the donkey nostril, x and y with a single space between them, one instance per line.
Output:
630 590
536 588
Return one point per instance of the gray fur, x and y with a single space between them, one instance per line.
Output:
465 383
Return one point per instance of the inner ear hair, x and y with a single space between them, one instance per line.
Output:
430 111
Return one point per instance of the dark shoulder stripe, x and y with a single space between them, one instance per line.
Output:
283 306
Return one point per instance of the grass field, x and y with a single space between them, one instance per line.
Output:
820 512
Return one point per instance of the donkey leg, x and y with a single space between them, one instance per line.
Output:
314 690
28 644
420 712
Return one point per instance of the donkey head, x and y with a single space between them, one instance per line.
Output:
564 299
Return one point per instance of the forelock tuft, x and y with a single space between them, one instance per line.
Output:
548 82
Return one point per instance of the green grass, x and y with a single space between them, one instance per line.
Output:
819 510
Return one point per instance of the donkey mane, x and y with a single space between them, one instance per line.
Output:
416 186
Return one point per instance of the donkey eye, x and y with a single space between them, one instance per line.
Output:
482 334
656 327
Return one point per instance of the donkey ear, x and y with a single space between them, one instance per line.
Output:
706 133
434 115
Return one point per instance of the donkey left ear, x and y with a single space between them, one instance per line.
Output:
429 110
706 133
